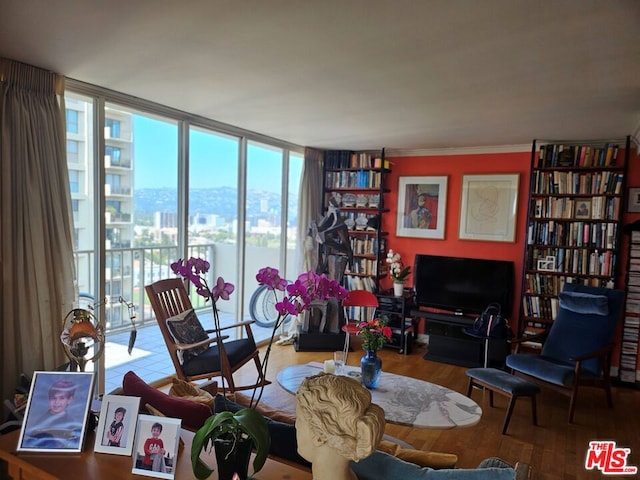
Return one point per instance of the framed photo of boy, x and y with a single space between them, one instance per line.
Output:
57 410
156 446
117 425
421 207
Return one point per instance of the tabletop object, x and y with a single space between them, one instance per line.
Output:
405 400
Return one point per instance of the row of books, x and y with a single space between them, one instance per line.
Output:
559 155
596 208
544 284
354 179
339 159
629 370
540 307
578 183
354 282
360 314
573 234
584 262
365 266
365 245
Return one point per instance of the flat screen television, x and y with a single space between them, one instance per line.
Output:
462 285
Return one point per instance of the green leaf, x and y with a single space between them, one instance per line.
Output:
246 421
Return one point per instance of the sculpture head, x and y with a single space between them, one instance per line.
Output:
335 416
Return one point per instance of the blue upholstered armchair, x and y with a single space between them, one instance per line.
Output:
577 349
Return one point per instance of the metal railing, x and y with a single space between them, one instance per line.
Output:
127 271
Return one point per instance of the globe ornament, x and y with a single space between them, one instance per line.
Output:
82 337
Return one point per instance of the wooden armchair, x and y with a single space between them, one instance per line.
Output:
578 345
204 358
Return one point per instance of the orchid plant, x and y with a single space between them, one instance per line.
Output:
309 286
397 269
246 423
375 334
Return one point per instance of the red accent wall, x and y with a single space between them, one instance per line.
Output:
454 167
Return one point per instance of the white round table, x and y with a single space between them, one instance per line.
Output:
405 400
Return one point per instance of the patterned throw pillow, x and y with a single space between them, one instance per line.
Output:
186 328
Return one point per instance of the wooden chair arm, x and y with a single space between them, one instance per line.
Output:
203 343
239 324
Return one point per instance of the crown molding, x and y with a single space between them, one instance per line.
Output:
428 152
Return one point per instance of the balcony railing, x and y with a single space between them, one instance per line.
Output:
130 269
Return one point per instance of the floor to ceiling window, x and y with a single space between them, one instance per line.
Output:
140 202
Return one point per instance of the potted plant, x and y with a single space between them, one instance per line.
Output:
375 334
234 435
398 272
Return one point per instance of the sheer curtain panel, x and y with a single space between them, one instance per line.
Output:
36 253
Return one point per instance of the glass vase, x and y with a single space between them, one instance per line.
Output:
370 366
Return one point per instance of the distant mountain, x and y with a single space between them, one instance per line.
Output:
220 201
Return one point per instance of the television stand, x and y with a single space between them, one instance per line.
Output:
449 344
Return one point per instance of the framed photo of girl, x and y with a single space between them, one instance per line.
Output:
57 411
117 425
421 207
156 446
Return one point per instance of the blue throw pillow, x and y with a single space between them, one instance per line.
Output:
584 303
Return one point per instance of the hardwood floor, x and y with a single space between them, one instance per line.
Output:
554 449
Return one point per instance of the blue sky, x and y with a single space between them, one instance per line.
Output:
213 159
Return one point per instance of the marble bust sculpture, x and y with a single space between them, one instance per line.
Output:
336 423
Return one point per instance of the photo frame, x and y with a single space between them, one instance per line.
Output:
488 208
55 419
117 425
583 209
633 204
422 205
155 453
547 264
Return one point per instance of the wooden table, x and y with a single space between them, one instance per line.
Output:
102 466
405 400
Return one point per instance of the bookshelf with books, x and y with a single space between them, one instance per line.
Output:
573 226
355 182
628 372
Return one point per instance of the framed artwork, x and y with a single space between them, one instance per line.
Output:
583 208
156 446
56 413
422 205
547 264
633 206
488 207
117 425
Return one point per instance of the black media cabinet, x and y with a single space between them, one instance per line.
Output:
449 344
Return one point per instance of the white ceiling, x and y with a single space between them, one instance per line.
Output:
355 74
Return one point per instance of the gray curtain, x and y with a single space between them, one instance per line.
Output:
310 206
36 242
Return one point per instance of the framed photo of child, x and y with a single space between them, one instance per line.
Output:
57 411
117 425
156 446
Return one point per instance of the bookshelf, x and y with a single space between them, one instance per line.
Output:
356 183
574 223
628 370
